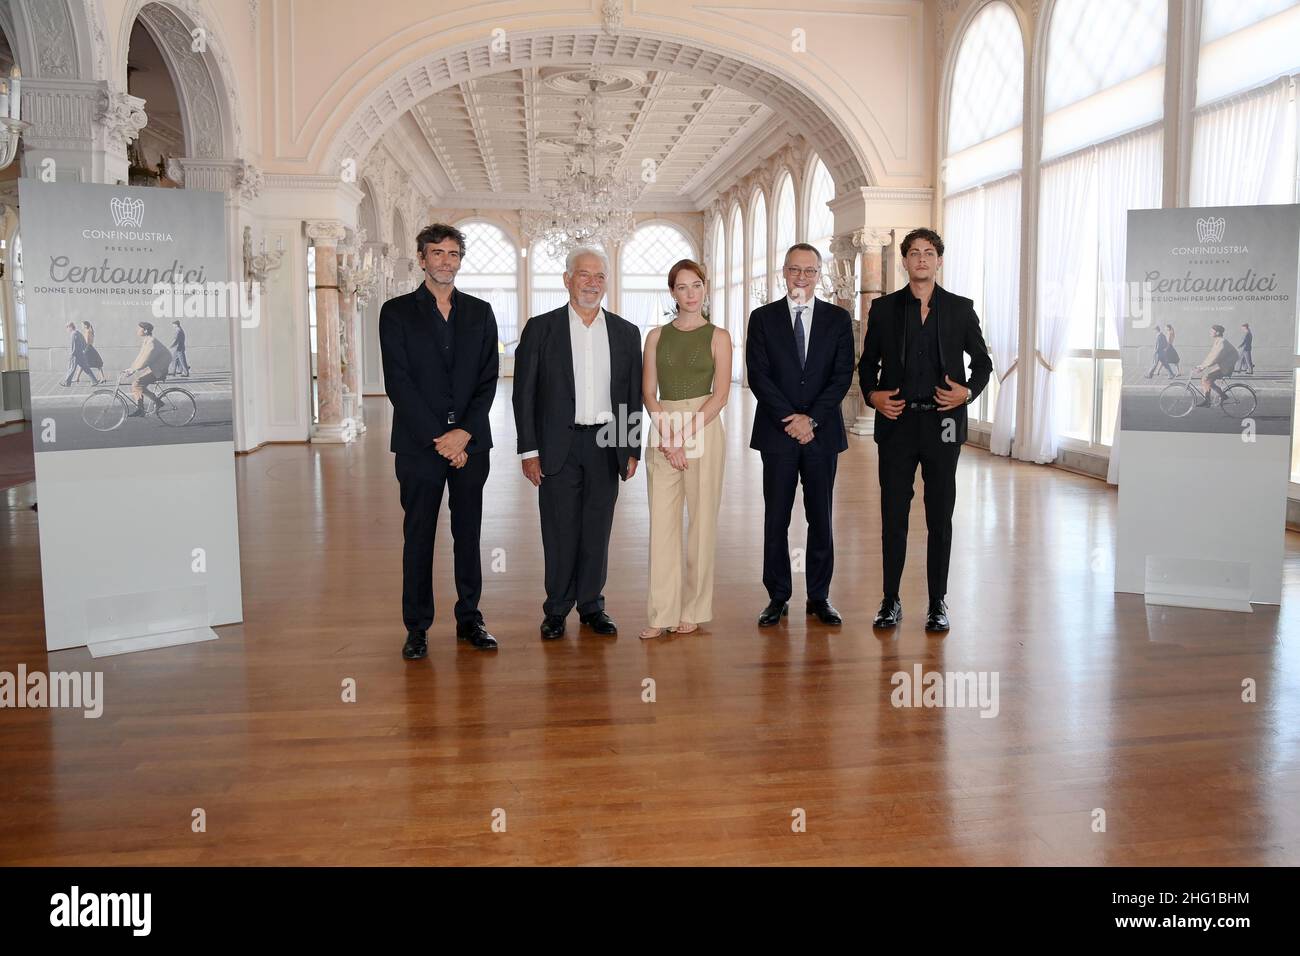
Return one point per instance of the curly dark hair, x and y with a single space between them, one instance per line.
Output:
929 235
437 232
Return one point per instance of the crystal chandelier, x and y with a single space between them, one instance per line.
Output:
587 205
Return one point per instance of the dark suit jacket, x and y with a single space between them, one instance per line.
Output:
78 344
423 386
883 352
544 400
783 388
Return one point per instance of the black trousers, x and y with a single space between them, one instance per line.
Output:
421 479
577 509
918 437
782 472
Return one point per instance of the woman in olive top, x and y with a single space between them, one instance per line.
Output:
685 382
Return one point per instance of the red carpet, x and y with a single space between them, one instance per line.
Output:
17 460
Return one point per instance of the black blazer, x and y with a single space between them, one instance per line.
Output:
544 400
419 383
883 352
783 388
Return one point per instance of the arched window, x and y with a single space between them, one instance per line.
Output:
1245 127
758 261
491 271
784 226
1102 156
821 222
981 209
717 270
737 300
643 268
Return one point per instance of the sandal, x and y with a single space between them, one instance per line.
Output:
686 628
652 632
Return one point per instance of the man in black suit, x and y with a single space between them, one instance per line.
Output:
913 373
799 354
577 400
439 348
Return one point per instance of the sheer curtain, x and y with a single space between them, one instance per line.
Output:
1129 176
1237 148
1001 316
1064 207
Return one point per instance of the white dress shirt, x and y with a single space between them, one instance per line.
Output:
590 347
807 319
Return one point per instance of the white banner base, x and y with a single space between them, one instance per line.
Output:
1178 581
148 642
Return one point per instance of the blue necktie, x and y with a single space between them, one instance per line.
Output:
798 333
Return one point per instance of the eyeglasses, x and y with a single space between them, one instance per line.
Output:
809 273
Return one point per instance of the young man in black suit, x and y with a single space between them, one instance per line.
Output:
913 373
577 401
799 355
440 358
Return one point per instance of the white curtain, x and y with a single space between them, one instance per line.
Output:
1001 314
645 309
963 230
1237 146
1129 176
505 306
1065 196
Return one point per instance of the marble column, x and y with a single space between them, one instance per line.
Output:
350 277
325 235
871 245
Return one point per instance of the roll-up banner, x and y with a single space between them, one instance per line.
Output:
1207 403
130 313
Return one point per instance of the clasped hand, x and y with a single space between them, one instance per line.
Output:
799 427
451 445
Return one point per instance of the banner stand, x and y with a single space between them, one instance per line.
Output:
1176 581
149 642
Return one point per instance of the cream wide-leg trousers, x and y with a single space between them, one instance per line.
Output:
678 594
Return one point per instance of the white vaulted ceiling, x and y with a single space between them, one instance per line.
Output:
495 139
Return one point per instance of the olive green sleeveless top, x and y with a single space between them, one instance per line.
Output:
684 362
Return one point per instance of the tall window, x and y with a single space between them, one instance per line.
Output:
546 291
758 257
1244 133
3 248
20 303
717 270
491 271
644 265
737 300
821 222
982 196
1102 156
785 227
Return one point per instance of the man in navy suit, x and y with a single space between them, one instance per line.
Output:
799 355
913 373
440 356
577 402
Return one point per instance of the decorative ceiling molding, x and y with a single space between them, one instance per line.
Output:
448 69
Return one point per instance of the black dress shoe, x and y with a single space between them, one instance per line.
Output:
477 634
599 622
937 617
890 613
825 612
552 627
773 613
416 646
